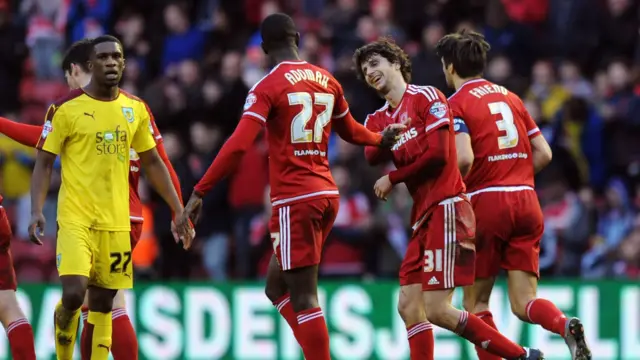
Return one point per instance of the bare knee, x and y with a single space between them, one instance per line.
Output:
410 306
100 299
275 287
519 306
437 312
303 287
476 297
73 292
522 289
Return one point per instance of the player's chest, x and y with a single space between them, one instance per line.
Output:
411 142
94 125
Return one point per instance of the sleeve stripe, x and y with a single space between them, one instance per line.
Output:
255 115
436 124
341 115
533 131
158 137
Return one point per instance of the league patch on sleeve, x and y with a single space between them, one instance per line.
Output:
251 99
438 109
460 126
46 129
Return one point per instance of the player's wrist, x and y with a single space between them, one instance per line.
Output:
393 177
197 193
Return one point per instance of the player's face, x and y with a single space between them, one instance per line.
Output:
379 73
107 63
448 73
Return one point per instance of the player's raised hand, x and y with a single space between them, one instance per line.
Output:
383 187
36 228
391 134
193 210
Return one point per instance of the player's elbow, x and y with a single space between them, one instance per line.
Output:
465 163
542 153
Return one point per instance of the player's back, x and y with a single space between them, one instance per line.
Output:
297 101
500 128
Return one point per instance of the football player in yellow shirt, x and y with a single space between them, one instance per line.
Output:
92 129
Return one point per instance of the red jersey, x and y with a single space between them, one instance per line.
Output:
135 205
427 108
298 102
500 128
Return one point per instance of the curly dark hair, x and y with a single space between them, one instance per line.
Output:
388 49
466 50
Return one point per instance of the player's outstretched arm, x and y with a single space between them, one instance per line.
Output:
224 164
40 181
353 132
160 180
23 133
432 160
172 172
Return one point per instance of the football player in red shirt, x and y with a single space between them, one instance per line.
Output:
441 254
500 148
298 103
125 343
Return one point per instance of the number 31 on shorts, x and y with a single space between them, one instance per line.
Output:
433 260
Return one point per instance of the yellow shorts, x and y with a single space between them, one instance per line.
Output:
102 256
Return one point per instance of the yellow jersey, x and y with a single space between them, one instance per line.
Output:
93 138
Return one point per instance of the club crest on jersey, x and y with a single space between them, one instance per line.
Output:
251 99
46 129
404 117
438 109
128 114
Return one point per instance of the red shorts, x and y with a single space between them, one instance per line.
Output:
298 231
7 272
510 226
136 233
449 258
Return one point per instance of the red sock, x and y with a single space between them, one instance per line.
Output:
475 330
85 337
421 341
21 340
547 315
313 335
286 310
487 318
125 343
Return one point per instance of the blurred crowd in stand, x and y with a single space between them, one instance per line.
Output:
576 63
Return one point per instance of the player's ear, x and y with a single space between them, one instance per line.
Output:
264 47
297 39
89 65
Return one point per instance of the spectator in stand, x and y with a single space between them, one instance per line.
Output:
183 41
545 90
88 18
45 35
246 197
13 52
213 233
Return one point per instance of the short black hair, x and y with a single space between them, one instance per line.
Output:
466 51
278 31
78 53
388 49
105 38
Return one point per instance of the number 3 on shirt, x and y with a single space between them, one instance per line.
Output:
299 132
510 139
